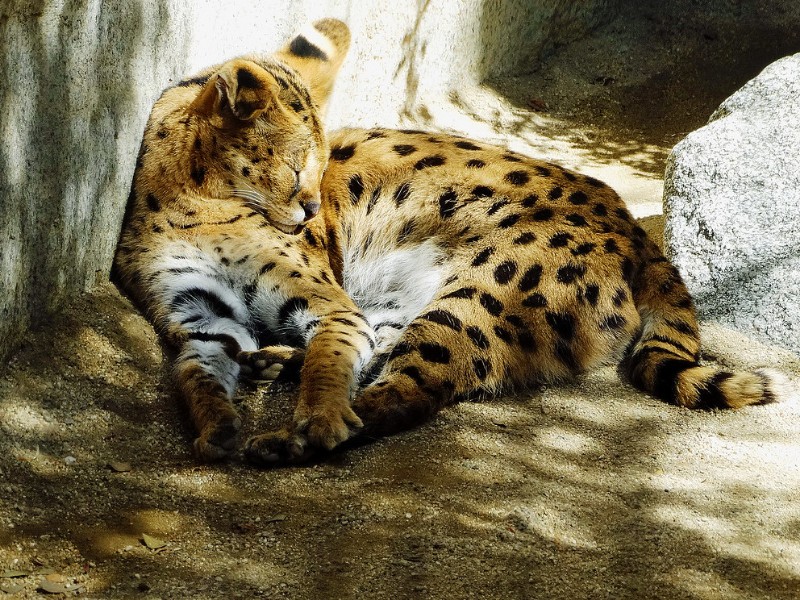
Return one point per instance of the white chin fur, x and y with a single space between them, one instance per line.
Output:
284 227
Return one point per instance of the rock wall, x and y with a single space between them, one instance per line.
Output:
78 80
732 208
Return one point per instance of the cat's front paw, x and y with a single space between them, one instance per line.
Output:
277 447
271 363
218 440
328 425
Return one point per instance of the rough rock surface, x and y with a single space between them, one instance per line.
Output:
732 207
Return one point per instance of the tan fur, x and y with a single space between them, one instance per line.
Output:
523 271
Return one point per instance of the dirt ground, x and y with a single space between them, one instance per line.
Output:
583 490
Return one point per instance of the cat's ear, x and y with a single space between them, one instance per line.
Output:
316 53
241 87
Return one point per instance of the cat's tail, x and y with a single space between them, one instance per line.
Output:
664 359
316 52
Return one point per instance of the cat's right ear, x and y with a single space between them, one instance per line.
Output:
240 88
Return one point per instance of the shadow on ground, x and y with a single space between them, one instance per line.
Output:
584 490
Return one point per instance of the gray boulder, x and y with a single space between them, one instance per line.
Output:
732 208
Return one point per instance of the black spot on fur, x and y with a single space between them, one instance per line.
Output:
578 198
576 220
560 240
503 334
712 396
666 376
443 317
570 272
583 249
266 268
430 161
566 355
447 204
562 323
475 163
407 230
511 158
614 321
592 293
373 200
377 134
199 175
681 327
153 203
213 302
509 221
496 206
627 270
611 246
529 201
518 178
343 153
525 238
300 46
542 171
246 79
477 337
594 182
246 171
543 214
310 239
482 368
404 149
482 256
344 321
600 209
505 272
619 297
356 187
535 300
526 341
296 106
400 349
555 193
531 278
465 145
435 353
414 374
491 304
465 292
623 214
515 320
401 193
482 191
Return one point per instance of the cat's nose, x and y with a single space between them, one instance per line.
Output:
311 208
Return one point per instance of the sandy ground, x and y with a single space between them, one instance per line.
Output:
586 490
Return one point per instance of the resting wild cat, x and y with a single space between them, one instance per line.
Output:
398 272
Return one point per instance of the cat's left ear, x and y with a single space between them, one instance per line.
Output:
316 53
